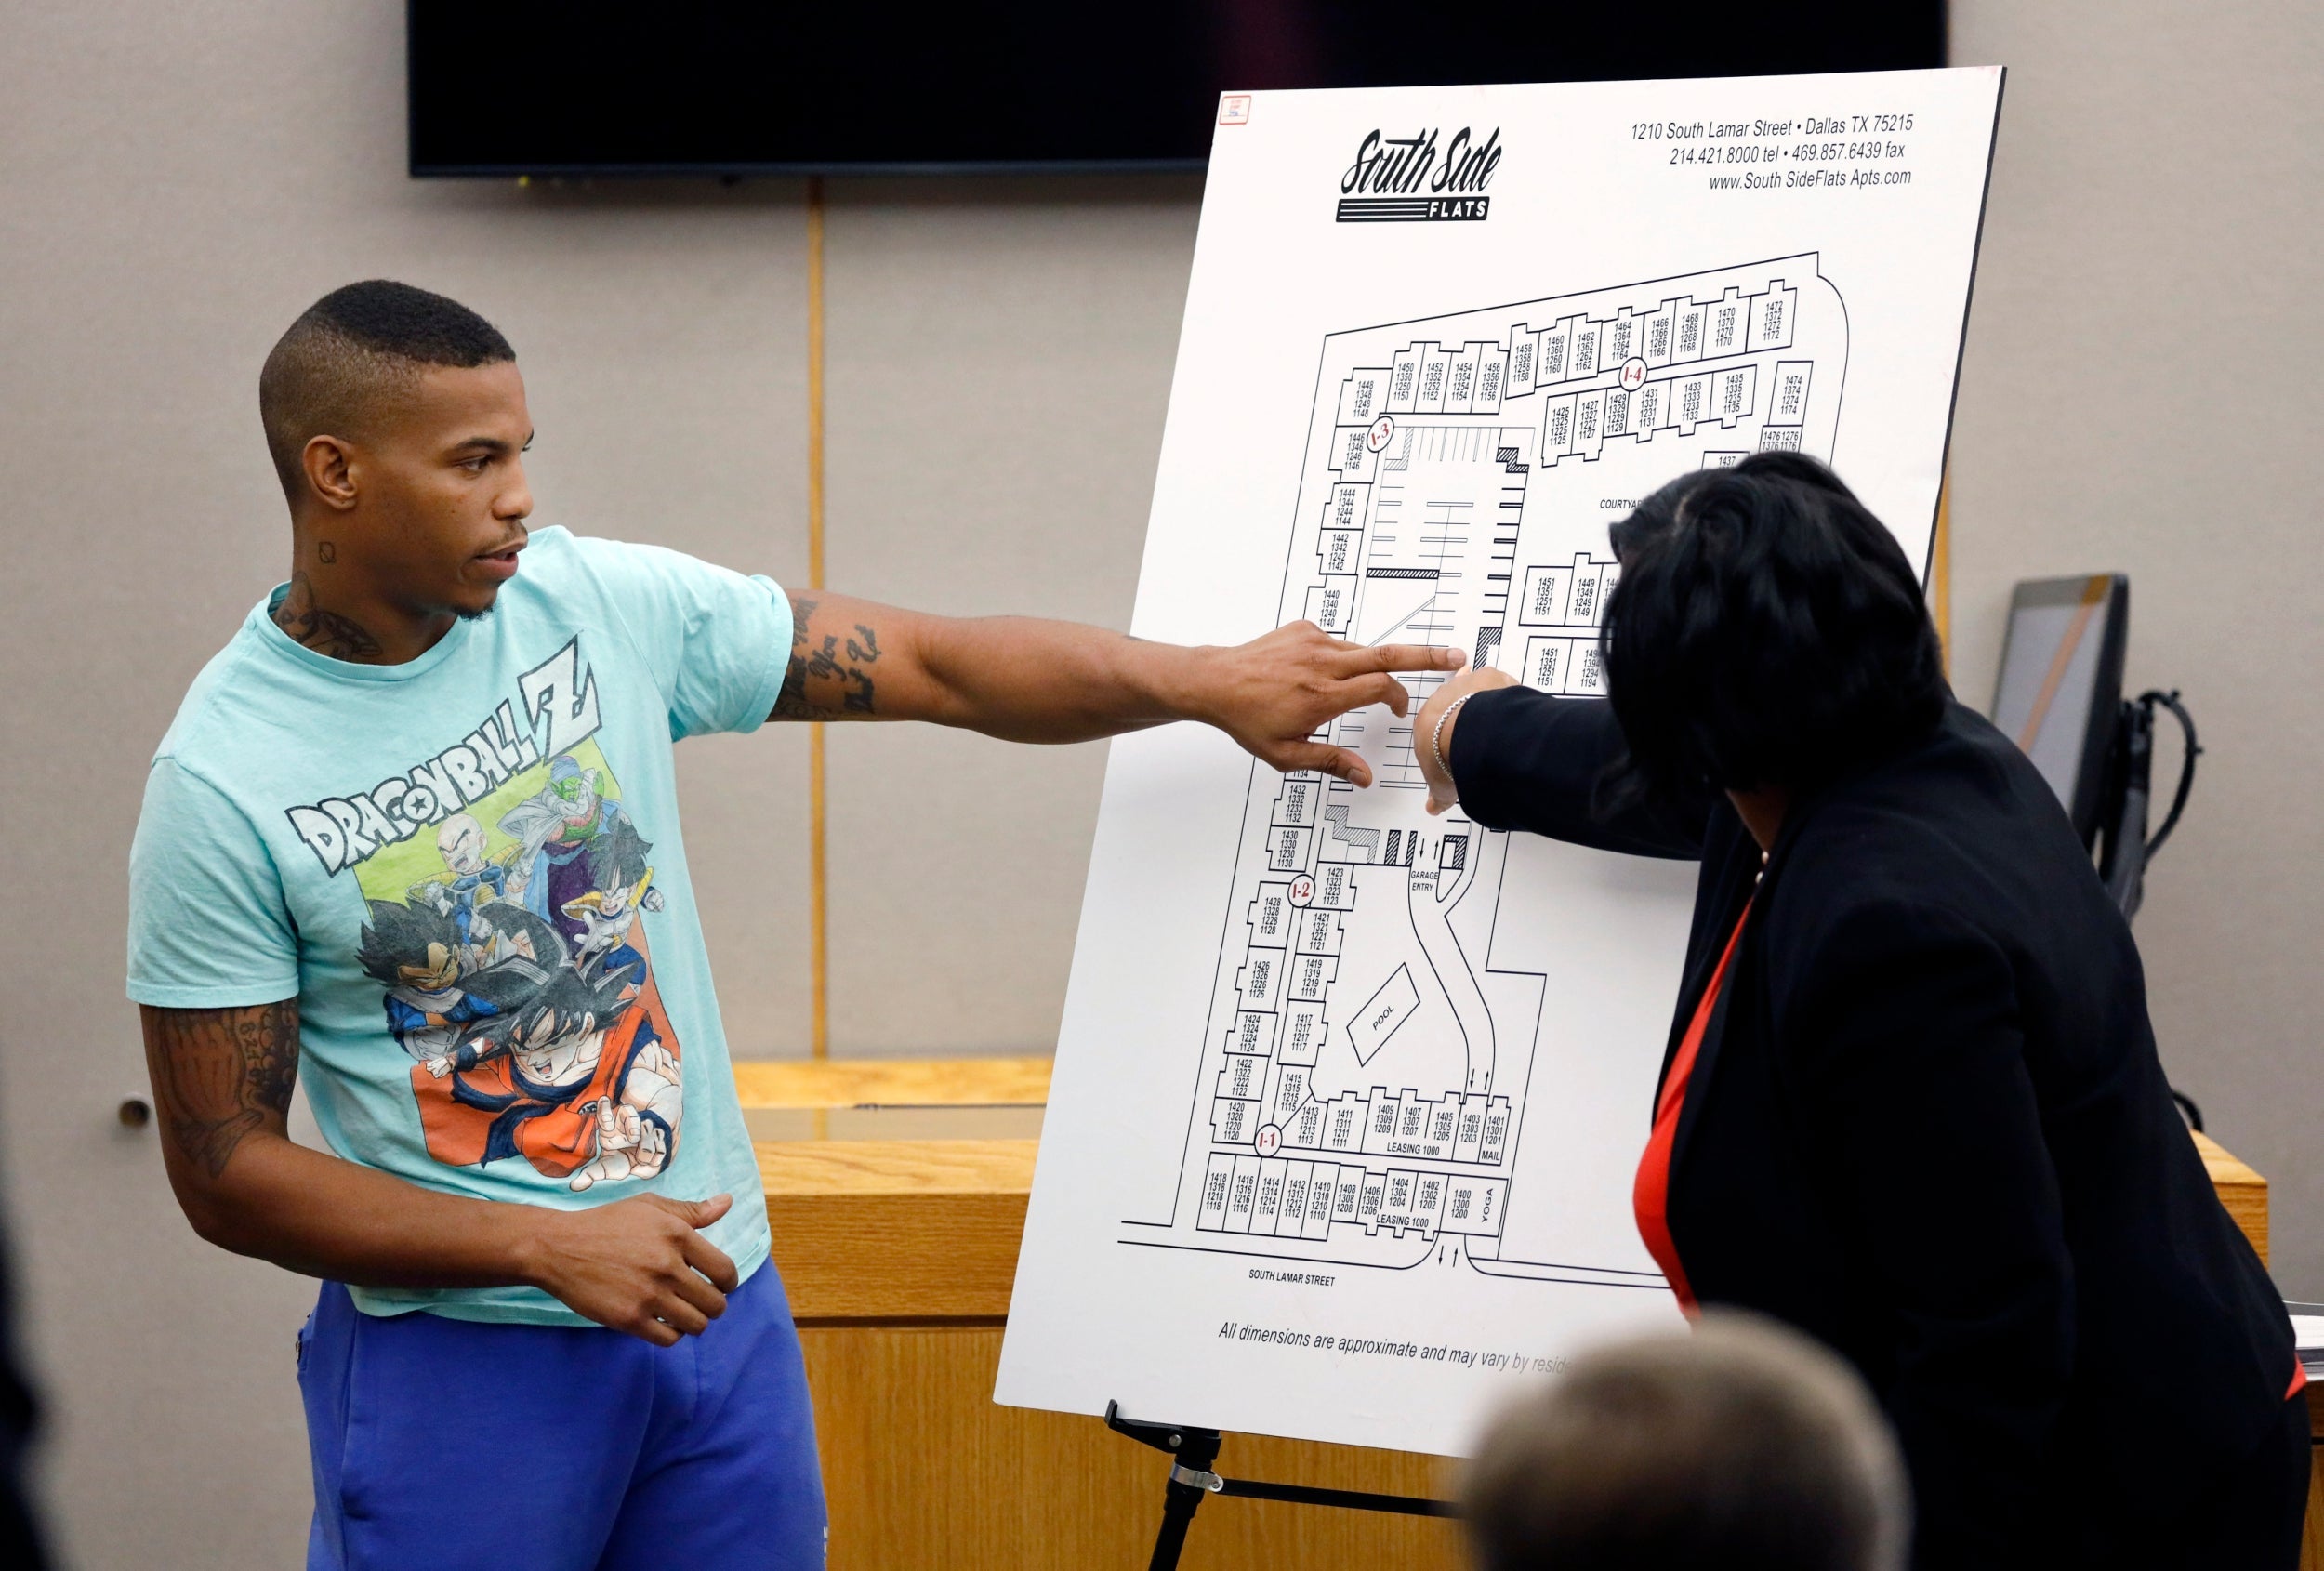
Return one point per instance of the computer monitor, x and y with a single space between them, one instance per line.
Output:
2061 684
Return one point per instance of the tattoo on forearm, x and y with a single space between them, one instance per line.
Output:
791 702
857 696
326 632
828 678
221 1073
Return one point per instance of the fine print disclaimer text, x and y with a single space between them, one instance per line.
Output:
1512 1362
1835 152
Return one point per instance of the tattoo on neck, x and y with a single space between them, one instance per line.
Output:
828 678
326 550
221 1074
326 632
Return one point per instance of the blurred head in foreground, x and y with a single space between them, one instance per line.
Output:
1742 1446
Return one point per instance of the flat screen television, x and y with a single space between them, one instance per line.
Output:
501 87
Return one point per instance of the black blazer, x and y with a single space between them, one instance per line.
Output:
1927 1125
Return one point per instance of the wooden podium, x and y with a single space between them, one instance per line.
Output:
899 1254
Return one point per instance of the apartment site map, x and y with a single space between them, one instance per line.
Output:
1349 1096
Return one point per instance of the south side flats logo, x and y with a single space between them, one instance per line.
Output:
1403 179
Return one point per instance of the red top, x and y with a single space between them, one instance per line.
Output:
1650 1197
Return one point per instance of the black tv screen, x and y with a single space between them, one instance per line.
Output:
709 87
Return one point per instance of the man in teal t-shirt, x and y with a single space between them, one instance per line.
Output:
432 857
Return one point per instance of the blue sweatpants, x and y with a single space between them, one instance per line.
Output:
449 1445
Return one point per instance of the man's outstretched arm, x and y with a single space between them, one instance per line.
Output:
1028 680
222 1082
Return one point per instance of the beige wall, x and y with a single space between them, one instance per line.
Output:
2140 394
1000 356
177 180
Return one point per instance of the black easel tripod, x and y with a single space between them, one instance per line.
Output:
1194 1452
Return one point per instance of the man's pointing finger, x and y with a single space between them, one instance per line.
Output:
1378 687
1408 657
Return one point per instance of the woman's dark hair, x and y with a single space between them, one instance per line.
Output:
1767 630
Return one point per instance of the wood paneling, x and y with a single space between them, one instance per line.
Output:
897 1229
899 1257
2243 1192
900 1082
923 1471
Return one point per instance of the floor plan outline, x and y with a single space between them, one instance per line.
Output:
1368 1058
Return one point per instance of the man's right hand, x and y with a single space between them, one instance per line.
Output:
1275 693
638 1265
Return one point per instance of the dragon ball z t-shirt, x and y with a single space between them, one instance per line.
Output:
467 870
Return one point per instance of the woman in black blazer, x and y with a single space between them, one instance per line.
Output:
1917 1112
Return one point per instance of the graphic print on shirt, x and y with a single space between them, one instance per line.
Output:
503 884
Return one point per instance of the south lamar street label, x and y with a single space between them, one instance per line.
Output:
1402 179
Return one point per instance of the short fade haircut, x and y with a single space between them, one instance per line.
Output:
1743 1445
356 345
1767 630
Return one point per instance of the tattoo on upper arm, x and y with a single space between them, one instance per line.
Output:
219 1075
829 677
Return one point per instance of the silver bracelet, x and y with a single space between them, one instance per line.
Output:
1437 734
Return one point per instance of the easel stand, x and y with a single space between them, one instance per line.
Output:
1194 1454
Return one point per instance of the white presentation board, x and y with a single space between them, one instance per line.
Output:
1349 1099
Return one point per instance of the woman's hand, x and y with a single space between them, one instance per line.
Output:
1427 743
